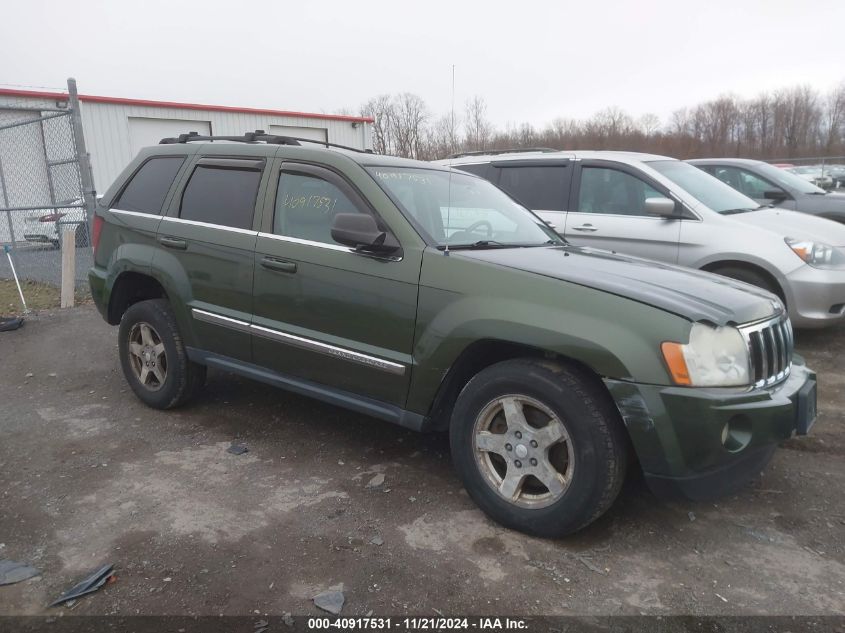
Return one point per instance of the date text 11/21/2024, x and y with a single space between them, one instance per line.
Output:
418 623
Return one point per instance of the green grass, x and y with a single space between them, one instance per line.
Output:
38 296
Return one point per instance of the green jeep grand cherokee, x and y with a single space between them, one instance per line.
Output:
429 298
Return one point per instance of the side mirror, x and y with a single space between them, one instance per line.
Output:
775 194
663 207
360 231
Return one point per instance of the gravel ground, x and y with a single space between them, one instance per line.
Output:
90 476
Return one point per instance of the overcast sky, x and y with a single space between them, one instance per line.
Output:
531 61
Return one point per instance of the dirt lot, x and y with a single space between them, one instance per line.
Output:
88 475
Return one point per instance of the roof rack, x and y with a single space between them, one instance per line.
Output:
259 136
493 152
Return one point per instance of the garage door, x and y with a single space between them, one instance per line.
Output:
146 131
314 133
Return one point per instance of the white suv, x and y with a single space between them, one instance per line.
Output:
664 209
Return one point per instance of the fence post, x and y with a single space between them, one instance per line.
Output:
89 194
68 267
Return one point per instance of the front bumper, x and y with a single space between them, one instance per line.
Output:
815 297
679 432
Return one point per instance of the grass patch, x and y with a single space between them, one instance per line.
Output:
38 296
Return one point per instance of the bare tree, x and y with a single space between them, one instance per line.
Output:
833 119
380 108
649 124
410 116
791 122
478 128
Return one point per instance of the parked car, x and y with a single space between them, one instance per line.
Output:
837 172
47 225
667 210
769 185
427 297
814 175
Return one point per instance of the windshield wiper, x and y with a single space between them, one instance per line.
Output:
478 244
481 244
744 210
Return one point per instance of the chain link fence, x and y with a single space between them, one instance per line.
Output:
827 172
42 193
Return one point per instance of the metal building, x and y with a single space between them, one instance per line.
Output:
116 128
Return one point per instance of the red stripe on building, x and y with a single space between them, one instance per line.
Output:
62 96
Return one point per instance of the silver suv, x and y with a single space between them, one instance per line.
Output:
664 209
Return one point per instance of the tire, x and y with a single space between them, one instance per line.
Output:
148 334
752 277
592 454
81 236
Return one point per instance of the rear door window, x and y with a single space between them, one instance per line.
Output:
537 187
146 191
223 192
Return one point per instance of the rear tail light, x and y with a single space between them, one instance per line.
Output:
97 229
53 217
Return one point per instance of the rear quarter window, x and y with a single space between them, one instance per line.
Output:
146 190
478 169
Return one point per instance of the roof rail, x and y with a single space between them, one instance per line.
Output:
493 152
259 136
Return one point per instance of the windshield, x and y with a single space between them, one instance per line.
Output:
466 211
705 188
787 179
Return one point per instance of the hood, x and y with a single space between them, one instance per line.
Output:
692 294
833 203
794 224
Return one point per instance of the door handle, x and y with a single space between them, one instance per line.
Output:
588 228
281 265
172 242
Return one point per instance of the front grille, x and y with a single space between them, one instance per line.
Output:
770 346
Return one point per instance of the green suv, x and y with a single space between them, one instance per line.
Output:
429 298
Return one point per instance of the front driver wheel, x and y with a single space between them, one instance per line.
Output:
539 446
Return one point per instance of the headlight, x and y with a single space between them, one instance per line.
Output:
714 357
816 254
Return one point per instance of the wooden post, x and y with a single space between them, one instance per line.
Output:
68 267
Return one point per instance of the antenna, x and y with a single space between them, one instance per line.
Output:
449 196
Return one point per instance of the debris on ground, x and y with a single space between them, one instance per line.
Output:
287 618
331 601
237 449
12 571
377 540
377 481
588 564
691 516
7 324
86 586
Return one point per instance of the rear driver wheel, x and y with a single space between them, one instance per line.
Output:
153 356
